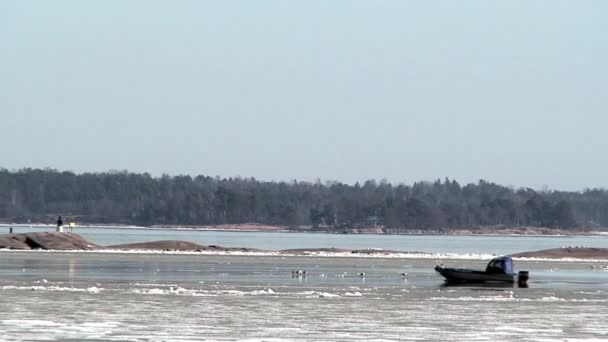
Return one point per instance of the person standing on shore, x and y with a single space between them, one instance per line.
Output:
59 225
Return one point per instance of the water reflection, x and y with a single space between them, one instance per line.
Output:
71 270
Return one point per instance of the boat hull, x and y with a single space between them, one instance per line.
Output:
455 275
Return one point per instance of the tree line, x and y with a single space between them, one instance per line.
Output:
40 195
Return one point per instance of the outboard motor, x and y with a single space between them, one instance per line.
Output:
522 278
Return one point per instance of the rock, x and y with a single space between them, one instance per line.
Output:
14 241
55 241
70 241
566 252
164 245
176 245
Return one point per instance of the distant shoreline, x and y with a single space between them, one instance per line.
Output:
252 227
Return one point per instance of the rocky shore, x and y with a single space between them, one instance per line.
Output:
577 252
70 241
46 241
177 245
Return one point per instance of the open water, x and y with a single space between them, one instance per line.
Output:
112 296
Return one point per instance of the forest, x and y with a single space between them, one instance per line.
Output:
121 197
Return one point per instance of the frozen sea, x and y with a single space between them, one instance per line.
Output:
112 296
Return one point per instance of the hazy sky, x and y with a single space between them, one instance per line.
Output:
515 92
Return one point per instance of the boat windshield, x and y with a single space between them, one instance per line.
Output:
502 265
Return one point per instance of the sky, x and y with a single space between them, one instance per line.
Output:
513 92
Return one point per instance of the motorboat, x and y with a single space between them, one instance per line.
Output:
499 270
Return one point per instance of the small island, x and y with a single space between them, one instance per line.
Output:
72 242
